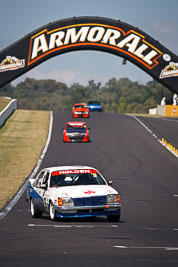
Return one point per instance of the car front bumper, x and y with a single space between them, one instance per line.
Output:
80 115
77 139
87 211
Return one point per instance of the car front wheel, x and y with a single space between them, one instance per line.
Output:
52 212
34 211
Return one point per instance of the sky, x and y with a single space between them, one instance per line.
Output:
158 18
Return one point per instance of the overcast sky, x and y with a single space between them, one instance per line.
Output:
158 18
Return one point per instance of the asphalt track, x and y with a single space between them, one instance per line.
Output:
143 171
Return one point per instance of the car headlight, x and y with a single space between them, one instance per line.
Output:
68 134
86 112
65 202
112 198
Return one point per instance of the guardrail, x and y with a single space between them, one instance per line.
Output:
7 111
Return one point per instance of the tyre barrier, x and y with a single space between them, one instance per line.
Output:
7 111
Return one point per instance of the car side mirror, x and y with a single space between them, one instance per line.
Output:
43 186
110 182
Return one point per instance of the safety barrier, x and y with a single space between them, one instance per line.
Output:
170 146
167 110
7 111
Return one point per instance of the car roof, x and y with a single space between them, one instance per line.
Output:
74 167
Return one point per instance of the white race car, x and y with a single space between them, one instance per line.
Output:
73 191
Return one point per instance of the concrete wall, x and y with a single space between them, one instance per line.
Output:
161 110
7 111
152 111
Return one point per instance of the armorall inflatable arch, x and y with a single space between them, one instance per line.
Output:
90 33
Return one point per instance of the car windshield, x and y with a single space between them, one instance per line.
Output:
80 106
71 179
76 130
94 102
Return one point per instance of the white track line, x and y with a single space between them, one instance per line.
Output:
22 189
164 248
154 135
96 225
73 225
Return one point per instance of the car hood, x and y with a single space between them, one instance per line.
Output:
92 105
80 109
84 191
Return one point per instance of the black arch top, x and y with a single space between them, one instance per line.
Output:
90 33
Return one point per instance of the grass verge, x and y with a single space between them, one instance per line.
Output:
3 102
150 116
22 139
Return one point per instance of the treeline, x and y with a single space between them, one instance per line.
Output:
116 96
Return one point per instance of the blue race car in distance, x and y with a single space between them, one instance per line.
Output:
94 105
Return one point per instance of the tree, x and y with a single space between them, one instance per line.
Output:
118 96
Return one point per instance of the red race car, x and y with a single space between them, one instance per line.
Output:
76 132
80 110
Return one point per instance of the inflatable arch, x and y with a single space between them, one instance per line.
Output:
90 33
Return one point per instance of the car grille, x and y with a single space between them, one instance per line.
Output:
79 112
90 201
77 138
